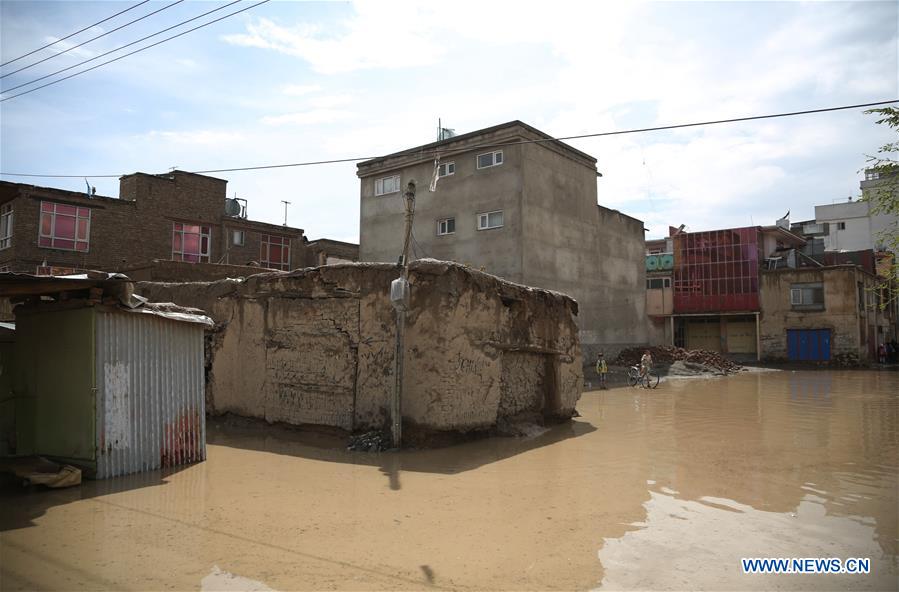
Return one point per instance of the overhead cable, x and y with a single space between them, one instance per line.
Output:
130 53
25 55
175 26
68 49
432 153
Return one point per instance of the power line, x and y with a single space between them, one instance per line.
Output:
88 41
139 50
481 146
117 49
25 55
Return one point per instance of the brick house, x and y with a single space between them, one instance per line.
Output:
175 216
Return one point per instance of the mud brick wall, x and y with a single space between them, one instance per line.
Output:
316 346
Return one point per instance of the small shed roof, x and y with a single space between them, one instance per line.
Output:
116 285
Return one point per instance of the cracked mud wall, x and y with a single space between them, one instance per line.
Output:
316 346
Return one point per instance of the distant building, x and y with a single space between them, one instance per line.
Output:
518 204
176 216
755 292
327 252
703 291
852 225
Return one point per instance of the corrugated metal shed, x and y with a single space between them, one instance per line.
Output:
150 393
104 379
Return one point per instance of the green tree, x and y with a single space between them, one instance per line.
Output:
883 169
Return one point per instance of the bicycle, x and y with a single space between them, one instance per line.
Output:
635 377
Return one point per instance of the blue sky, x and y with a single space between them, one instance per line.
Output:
299 81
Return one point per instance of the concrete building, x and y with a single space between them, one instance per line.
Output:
852 225
175 216
753 292
823 313
512 201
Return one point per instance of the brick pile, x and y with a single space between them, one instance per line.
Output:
666 354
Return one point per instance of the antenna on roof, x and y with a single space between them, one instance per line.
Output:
286 203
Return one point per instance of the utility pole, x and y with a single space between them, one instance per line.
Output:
399 297
286 203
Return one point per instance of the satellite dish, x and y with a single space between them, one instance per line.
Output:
232 207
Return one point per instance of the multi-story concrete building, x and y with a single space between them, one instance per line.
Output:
853 225
175 216
518 204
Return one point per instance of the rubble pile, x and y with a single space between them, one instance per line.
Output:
373 441
666 354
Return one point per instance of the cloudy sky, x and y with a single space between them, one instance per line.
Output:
306 81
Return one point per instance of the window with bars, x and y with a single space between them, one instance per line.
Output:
658 283
5 225
490 159
190 242
64 227
274 252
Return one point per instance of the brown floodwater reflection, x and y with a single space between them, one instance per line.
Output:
663 489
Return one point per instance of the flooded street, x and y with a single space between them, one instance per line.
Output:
663 489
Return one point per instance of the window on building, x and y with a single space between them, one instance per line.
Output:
446 169
274 252
841 226
190 242
658 283
489 220
64 227
5 225
446 226
239 238
387 185
490 159
807 296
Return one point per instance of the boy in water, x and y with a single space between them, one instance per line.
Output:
601 369
645 363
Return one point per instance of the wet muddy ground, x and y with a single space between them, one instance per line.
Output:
662 489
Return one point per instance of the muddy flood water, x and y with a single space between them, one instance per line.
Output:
663 489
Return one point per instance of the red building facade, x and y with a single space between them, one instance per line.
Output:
717 271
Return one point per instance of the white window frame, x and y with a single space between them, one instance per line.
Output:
841 226
53 238
443 225
797 292
379 185
447 168
6 225
205 232
496 158
484 220
243 238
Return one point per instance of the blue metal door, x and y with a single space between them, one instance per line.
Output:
808 345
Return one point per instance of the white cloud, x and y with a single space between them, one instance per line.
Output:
195 137
297 90
381 36
314 116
